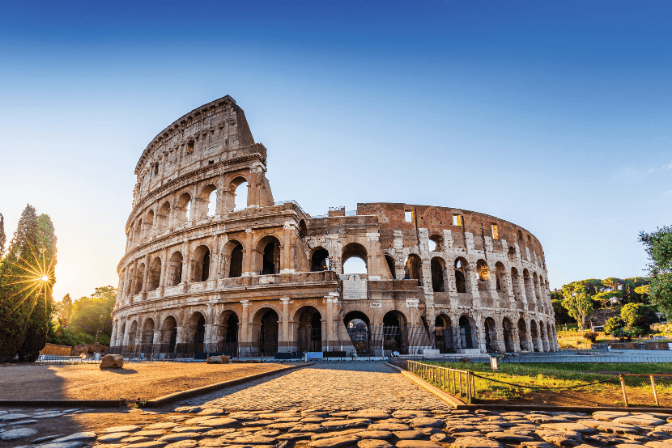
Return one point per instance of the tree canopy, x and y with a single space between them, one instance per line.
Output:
577 302
658 246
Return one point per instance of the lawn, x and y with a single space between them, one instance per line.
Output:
549 383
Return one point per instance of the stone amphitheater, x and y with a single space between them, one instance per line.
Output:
214 264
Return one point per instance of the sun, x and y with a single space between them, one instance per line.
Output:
44 278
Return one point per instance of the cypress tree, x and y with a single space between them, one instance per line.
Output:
37 326
16 287
3 238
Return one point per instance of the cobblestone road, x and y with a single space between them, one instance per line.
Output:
328 386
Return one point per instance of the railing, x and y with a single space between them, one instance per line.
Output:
455 382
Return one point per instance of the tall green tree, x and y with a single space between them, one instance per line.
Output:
93 314
561 315
659 248
3 237
37 325
577 302
638 318
64 311
17 285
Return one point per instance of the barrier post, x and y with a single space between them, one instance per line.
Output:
653 386
625 397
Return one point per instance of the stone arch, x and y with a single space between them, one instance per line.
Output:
168 339
512 254
122 334
319 260
467 332
435 243
536 347
517 292
147 339
522 334
265 331
483 272
237 194
154 274
508 333
163 218
174 269
354 250
543 336
200 271
461 274
149 224
308 322
390 264
490 333
207 202
358 327
129 281
194 332
413 268
268 255
132 335
228 332
395 332
137 234
232 258
500 278
139 277
529 290
182 209
438 274
444 334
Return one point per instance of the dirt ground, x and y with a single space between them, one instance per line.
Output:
141 381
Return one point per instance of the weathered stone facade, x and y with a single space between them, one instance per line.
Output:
198 275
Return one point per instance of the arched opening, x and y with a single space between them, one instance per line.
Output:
517 292
175 269
508 335
129 282
266 321
522 335
319 260
358 327
355 259
303 230
394 332
512 254
137 236
209 201
183 209
120 338
461 275
240 194
529 290
490 336
535 336
201 264
542 336
309 330
147 336
390 265
438 268
444 334
483 275
149 222
435 243
229 334
195 334
236 261
132 337
465 332
154 277
163 217
520 238
500 274
269 248
413 268
139 277
169 335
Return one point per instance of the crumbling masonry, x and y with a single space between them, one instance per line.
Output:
199 275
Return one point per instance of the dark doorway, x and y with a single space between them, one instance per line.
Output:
271 259
444 334
465 332
236 268
309 331
199 335
358 326
229 342
320 260
394 332
268 333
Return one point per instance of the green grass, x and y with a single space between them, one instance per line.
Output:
536 377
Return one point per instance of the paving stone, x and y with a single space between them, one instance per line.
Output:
219 432
441 438
423 422
177 437
662 435
153 444
536 445
222 422
78 436
608 416
336 434
388 427
264 423
45 439
135 439
295 436
569 427
195 429
374 434
183 444
126 428
640 420
73 444
629 445
510 437
334 442
618 428
658 444
22 422
475 442
561 438
18 433
211 411
410 414
308 427
12 417
150 433
417 444
539 419
243 416
253 440
373 414
408 435
115 437
162 425
335 425
373 443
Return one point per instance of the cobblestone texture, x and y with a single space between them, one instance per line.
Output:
327 385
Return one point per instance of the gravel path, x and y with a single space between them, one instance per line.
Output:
327 385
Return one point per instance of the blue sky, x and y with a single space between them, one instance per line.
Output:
555 115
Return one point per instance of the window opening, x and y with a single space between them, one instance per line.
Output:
212 203
236 268
409 216
354 265
320 261
190 147
241 197
457 220
495 233
432 245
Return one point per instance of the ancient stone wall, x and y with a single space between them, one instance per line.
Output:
200 275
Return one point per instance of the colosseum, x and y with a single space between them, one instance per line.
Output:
213 263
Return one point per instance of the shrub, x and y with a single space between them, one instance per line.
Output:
590 336
613 324
638 318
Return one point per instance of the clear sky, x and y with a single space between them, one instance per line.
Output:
555 115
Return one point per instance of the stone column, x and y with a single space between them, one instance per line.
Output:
164 271
285 336
471 279
248 255
244 336
286 250
113 338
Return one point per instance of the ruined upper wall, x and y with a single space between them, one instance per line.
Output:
392 216
212 133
